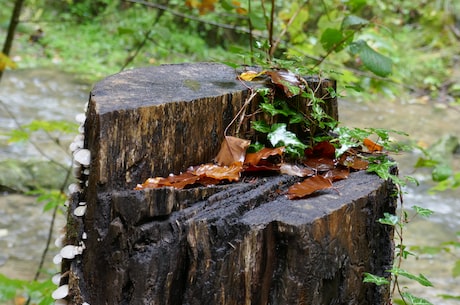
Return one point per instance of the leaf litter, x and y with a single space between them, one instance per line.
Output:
319 164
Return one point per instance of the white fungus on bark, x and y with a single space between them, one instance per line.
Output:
56 279
59 242
69 251
80 211
73 188
57 259
61 292
82 156
80 118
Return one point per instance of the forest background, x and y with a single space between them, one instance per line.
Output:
374 48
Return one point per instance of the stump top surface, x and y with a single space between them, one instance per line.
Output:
164 84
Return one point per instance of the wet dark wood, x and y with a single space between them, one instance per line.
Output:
242 243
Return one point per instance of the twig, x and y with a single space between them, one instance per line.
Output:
35 145
275 44
12 29
147 34
190 17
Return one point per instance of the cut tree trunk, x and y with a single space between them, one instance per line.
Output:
240 243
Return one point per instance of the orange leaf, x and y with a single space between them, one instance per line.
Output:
263 154
321 150
308 186
182 180
338 173
372 146
353 161
320 164
232 150
230 173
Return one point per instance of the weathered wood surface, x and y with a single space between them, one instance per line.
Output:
242 243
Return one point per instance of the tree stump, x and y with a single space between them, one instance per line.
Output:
240 243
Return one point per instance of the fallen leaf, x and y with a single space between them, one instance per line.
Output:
323 149
263 154
287 80
353 161
296 170
338 173
232 150
182 180
321 156
372 146
308 186
320 164
261 167
250 75
230 173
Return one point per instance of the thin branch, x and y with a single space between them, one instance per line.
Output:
12 29
270 33
334 48
35 145
251 37
191 17
275 44
147 34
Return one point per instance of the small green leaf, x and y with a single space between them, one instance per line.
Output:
441 172
378 280
353 22
421 279
17 135
422 162
227 5
449 297
261 126
422 211
456 269
257 20
382 167
377 63
333 39
389 219
255 147
415 300
280 136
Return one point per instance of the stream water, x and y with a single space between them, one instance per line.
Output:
52 95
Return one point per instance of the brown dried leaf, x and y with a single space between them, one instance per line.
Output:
353 161
287 80
296 170
320 164
321 150
308 186
372 146
232 150
263 154
338 173
230 173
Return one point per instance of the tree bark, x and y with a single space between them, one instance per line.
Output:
240 243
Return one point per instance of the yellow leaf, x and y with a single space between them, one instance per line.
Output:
6 62
250 75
